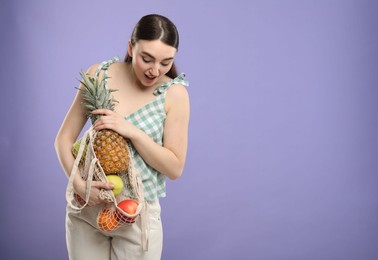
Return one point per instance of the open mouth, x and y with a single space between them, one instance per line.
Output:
150 78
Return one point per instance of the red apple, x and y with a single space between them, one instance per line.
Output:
130 207
79 199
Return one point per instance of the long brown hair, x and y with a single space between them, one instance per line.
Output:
156 27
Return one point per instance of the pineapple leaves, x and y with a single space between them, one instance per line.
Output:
95 94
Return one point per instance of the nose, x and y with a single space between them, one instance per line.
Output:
154 70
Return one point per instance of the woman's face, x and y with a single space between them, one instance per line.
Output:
151 60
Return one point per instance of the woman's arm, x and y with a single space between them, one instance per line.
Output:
73 123
168 159
69 131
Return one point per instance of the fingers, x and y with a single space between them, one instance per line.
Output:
102 185
94 197
105 112
102 122
111 121
106 117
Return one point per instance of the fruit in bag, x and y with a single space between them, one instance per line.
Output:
79 200
107 220
130 207
117 182
76 147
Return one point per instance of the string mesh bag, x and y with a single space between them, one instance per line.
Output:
97 155
119 210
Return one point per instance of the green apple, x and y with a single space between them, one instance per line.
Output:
117 182
76 147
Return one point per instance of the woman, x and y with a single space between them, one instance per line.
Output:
148 86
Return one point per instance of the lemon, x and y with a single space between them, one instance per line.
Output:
117 182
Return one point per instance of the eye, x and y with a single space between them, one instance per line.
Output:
146 60
166 63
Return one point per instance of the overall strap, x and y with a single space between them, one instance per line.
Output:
180 79
105 66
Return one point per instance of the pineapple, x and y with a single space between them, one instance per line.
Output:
110 147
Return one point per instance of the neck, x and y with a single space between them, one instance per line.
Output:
133 78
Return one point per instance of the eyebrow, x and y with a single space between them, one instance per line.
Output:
152 57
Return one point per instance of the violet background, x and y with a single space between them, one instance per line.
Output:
283 155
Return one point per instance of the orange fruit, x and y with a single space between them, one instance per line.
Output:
107 220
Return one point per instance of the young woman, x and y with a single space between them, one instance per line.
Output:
153 113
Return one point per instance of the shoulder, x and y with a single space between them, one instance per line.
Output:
118 71
177 91
90 72
116 66
177 96
92 69
113 68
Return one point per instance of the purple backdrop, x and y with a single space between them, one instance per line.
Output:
283 155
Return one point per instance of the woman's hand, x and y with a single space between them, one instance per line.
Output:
113 121
94 198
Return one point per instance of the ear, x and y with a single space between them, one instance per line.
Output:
130 48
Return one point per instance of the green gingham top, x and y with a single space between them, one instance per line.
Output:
150 119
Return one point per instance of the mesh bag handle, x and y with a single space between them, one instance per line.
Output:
70 190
